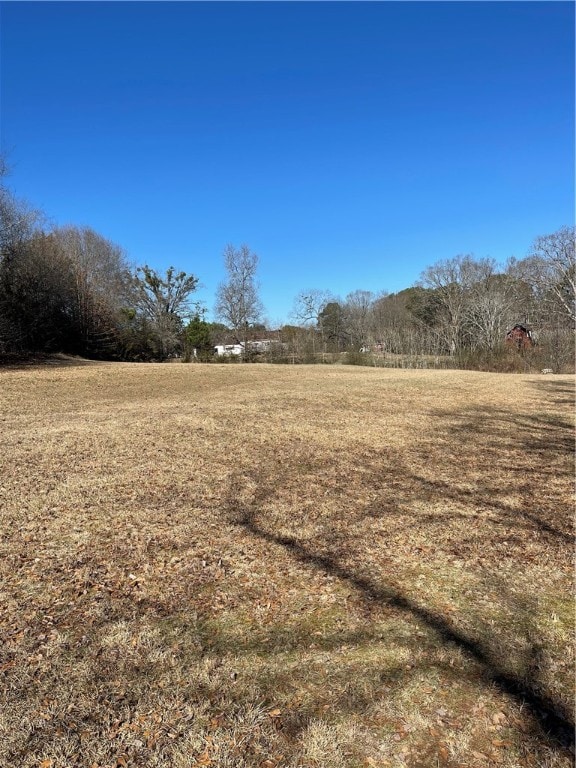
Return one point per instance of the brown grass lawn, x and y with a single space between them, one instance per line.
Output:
264 566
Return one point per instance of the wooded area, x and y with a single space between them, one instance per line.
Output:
69 289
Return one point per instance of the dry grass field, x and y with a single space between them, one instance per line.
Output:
261 567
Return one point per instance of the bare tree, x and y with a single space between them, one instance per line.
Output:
64 290
551 270
237 300
17 220
357 312
100 280
36 297
307 311
490 304
18 223
308 305
450 281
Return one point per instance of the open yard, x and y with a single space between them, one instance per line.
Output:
262 566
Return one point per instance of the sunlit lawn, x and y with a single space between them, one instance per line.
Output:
252 565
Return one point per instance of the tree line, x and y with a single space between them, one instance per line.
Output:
460 312
69 289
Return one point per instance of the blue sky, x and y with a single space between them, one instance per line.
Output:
349 144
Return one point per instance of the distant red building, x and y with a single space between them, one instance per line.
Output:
520 337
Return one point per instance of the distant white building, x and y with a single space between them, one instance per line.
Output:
229 349
261 346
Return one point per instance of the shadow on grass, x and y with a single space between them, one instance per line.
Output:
550 714
519 454
558 391
499 465
17 362
495 461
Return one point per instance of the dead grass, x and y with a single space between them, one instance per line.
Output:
260 566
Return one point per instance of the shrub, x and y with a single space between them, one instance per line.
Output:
355 357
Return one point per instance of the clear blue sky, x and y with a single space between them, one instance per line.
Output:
349 144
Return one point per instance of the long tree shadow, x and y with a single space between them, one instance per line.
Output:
548 712
510 467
